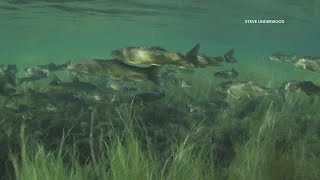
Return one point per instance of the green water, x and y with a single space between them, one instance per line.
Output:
34 32
43 31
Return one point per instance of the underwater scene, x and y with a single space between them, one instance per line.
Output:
159 90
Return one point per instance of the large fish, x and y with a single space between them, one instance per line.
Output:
280 57
308 87
75 85
153 55
203 61
54 67
34 74
150 96
40 72
7 79
227 74
243 89
309 63
115 69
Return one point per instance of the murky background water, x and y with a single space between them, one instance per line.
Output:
34 32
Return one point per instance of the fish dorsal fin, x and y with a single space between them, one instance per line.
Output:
229 56
157 48
55 77
192 55
55 80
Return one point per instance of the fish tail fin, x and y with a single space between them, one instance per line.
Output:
20 81
192 55
229 56
66 64
154 74
55 81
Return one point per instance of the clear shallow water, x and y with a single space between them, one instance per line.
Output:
58 30
42 31
38 32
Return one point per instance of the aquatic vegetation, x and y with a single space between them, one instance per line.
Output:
279 148
93 89
272 142
201 132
